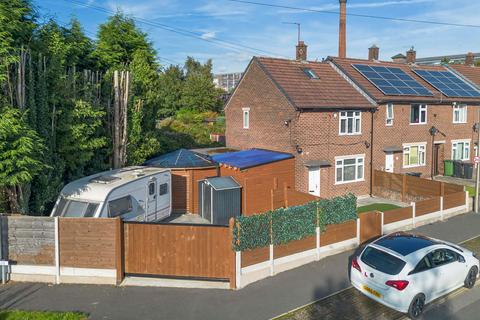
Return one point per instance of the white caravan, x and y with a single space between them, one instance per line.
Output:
132 193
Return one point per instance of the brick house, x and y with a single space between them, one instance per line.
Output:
340 125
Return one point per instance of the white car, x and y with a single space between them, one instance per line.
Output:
405 271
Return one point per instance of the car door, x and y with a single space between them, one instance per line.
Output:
446 269
458 268
424 278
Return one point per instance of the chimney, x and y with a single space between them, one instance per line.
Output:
373 53
342 40
301 52
470 59
411 56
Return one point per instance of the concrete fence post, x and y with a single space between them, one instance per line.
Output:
382 217
413 214
441 208
272 267
467 202
318 243
238 269
358 231
57 251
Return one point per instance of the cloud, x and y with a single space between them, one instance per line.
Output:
208 35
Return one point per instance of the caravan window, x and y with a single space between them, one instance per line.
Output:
60 207
75 209
151 188
120 206
91 209
163 189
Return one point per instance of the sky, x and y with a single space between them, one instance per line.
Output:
230 33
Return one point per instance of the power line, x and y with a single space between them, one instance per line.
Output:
356 14
240 48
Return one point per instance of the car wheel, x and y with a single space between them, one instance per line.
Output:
471 278
416 306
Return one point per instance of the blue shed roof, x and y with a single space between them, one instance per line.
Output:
250 158
181 158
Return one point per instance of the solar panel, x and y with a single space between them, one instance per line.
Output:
448 83
392 80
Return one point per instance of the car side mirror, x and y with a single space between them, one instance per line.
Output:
461 259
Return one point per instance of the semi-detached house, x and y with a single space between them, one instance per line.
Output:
343 118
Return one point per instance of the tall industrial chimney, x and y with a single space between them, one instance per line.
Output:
342 40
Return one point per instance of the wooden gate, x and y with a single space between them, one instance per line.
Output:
179 250
370 225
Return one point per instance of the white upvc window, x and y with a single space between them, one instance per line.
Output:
461 149
459 113
246 118
418 114
350 123
414 154
349 169
389 115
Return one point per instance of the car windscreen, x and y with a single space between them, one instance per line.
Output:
382 261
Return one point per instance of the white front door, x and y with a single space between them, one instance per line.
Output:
314 181
151 200
389 162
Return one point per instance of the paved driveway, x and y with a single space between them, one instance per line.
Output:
261 300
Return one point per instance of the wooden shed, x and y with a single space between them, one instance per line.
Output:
259 172
188 167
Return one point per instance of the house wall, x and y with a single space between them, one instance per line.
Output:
268 110
317 134
440 116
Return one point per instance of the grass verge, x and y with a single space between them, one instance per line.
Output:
377 206
41 315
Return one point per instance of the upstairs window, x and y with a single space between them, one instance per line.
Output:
418 114
459 113
389 116
350 122
246 118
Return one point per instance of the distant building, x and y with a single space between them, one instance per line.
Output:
227 81
454 59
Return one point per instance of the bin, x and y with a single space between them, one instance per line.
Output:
458 169
414 174
448 168
468 170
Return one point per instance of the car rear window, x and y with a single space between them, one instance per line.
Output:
382 261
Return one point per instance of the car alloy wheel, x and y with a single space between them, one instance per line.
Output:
471 278
416 307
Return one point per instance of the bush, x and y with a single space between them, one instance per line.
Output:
251 232
294 223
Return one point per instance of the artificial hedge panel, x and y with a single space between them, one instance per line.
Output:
283 225
294 223
250 232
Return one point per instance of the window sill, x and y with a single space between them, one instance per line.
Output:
347 182
459 122
418 124
414 166
350 134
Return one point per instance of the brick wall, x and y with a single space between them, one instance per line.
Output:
440 116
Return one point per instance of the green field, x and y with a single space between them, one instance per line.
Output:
41 315
377 206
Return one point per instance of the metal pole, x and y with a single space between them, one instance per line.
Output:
477 178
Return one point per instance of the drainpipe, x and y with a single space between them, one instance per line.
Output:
372 112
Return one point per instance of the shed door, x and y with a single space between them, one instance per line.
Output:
151 211
314 181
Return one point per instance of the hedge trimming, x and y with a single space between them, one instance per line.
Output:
294 223
283 225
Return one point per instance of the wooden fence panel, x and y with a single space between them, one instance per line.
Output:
297 198
423 187
452 188
28 240
338 232
370 225
427 206
295 247
454 200
396 215
200 251
278 199
88 243
251 257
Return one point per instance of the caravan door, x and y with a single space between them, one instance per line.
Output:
151 212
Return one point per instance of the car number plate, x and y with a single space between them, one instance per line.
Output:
371 291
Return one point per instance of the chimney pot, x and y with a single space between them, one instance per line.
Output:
411 56
342 37
470 59
373 53
301 52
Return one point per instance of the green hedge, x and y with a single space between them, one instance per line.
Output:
283 225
